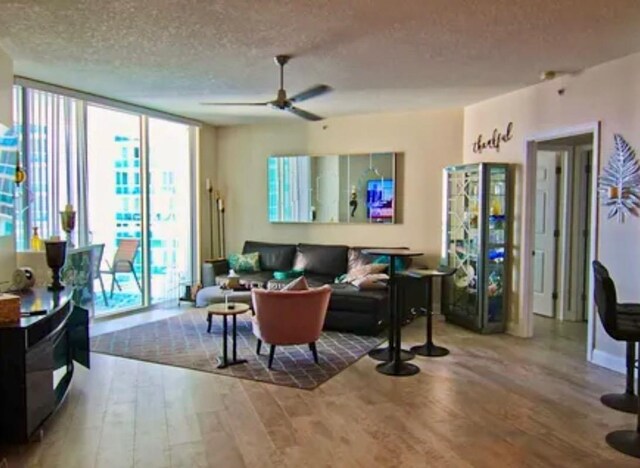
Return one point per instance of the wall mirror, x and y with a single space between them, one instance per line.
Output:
344 188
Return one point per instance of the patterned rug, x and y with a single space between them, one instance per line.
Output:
183 341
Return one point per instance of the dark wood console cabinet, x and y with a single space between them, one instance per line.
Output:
37 356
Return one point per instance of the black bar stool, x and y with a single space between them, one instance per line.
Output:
429 348
621 327
627 401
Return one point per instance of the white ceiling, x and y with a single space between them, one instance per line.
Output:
379 55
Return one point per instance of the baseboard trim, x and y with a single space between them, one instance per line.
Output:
609 361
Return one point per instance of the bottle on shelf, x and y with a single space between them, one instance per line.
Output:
36 242
496 207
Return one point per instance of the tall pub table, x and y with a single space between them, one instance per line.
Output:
394 356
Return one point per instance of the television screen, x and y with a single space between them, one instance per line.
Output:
380 194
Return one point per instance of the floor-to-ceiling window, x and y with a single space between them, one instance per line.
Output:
126 175
47 127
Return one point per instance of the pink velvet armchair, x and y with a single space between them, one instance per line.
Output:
289 318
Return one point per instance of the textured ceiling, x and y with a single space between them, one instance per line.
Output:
379 55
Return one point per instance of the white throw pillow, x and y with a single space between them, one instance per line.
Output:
298 284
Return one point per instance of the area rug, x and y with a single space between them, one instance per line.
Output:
183 341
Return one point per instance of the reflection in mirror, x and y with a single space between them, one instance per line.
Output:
8 157
355 188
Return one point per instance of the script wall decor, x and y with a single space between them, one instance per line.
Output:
494 142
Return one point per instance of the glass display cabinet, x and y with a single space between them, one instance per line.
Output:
476 216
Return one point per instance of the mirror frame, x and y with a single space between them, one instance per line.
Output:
394 155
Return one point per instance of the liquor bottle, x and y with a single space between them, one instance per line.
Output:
36 242
496 207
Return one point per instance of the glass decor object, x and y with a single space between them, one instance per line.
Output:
476 241
619 184
68 222
56 253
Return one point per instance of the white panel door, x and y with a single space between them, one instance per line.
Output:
544 257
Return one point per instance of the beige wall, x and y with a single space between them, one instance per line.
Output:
428 141
609 93
207 140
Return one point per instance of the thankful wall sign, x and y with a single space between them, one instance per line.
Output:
497 137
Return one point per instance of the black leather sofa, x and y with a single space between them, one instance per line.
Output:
350 309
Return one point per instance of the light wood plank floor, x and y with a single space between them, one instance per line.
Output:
496 401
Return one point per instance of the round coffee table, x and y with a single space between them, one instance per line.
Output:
232 309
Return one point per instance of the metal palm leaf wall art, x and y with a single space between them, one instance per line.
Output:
619 184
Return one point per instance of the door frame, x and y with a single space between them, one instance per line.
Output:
528 207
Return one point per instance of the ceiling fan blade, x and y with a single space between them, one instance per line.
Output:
316 90
304 114
234 103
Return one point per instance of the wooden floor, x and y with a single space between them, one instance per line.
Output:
496 401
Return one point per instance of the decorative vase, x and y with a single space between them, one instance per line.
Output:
68 218
56 253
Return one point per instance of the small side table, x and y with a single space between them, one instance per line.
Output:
232 309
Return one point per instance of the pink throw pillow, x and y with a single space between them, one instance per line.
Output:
363 271
298 284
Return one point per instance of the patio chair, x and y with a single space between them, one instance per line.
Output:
96 259
123 262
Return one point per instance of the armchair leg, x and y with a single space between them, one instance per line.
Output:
258 347
272 351
314 350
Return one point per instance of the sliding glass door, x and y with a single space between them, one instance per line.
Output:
114 207
169 208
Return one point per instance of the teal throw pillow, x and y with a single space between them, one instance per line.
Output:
288 274
400 263
280 275
245 263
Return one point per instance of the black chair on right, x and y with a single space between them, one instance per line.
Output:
621 325
627 401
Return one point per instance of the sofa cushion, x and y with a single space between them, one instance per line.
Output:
328 260
348 297
318 280
259 277
272 256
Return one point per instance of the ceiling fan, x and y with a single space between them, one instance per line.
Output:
282 102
